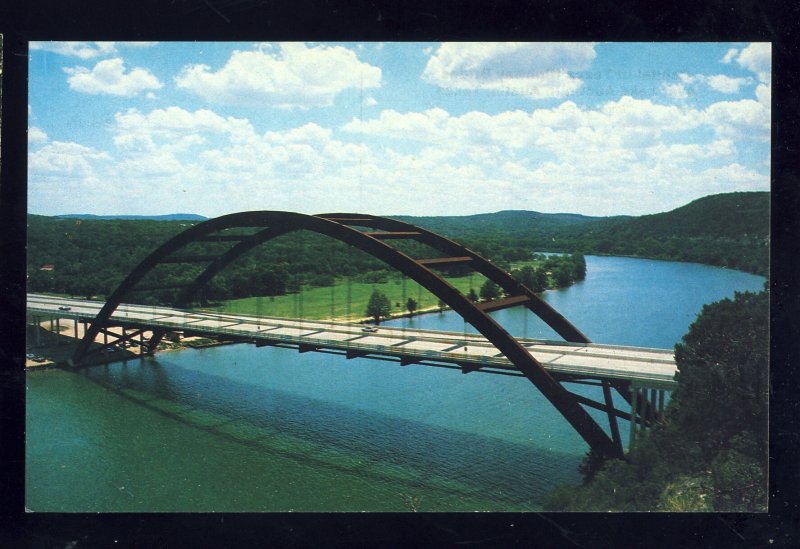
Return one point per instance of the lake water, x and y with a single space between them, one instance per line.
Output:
240 428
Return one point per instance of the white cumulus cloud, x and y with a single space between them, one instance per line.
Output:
745 119
764 95
65 159
730 55
296 75
726 84
36 135
718 82
757 57
536 70
675 91
630 155
689 152
199 158
109 77
566 129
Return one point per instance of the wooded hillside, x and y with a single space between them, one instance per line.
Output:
90 256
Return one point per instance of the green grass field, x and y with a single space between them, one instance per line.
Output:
346 300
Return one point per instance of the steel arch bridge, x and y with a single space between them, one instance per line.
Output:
375 235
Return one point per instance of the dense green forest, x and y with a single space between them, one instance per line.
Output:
727 230
89 256
710 454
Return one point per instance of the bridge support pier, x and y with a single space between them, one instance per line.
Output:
634 413
645 410
155 339
612 417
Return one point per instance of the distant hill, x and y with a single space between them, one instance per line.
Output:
503 217
166 217
730 230
720 215
525 226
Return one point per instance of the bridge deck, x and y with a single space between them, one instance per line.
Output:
651 367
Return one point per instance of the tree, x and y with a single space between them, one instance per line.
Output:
563 275
524 275
723 373
490 291
711 453
578 267
472 296
534 279
378 306
411 305
539 281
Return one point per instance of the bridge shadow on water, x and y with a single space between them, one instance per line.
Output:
324 435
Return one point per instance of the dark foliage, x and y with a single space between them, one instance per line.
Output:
711 453
723 374
489 291
90 257
379 306
726 230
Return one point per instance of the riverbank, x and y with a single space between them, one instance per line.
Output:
760 271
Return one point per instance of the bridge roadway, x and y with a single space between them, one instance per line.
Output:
647 367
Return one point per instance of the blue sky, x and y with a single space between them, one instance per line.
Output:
394 128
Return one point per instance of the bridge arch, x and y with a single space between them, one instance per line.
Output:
375 241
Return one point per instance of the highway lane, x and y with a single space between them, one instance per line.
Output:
652 367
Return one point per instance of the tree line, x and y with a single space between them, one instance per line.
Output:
91 257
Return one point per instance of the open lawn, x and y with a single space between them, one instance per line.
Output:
346 300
